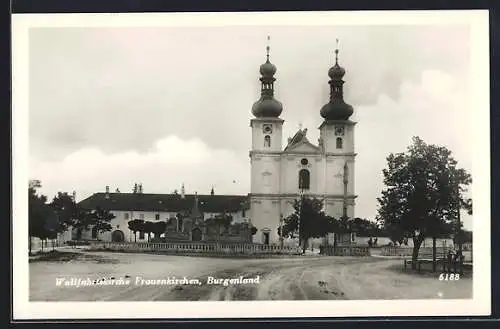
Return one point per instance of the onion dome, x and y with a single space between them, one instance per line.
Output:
267 106
267 69
336 108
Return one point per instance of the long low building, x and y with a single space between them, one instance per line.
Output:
157 207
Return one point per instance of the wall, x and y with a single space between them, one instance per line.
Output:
382 241
120 222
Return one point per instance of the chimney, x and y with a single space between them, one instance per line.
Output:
212 191
183 192
107 192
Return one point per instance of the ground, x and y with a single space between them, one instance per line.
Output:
292 278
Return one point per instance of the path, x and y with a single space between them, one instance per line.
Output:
298 278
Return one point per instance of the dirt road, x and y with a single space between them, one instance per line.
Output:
298 278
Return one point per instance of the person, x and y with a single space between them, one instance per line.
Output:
370 242
457 260
375 241
449 259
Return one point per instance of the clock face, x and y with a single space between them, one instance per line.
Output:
268 129
339 130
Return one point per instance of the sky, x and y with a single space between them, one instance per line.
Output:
171 105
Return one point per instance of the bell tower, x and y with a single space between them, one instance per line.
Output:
337 136
265 157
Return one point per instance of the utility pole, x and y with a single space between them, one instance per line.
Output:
301 195
459 223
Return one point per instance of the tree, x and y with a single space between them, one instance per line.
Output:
423 193
159 228
65 209
101 220
308 221
253 230
148 229
136 225
38 212
364 227
98 219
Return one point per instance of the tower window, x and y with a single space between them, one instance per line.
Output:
304 179
267 141
157 216
339 142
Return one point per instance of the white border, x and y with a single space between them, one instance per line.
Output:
479 305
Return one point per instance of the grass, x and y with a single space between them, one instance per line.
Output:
64 257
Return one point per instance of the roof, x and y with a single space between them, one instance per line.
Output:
165 202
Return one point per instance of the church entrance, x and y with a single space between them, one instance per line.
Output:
117 236
266 238
196 234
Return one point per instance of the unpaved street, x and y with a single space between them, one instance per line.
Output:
297 278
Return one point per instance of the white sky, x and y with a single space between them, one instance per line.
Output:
162 106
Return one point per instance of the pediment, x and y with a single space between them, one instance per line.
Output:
303 146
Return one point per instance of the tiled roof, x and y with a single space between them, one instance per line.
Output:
165 202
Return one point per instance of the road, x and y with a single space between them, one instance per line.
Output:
294 278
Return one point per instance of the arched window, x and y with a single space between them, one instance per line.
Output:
304 179
267 141
339 142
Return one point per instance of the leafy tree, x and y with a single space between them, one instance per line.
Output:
423 194
65 209
308 221
98 219
159 228
38 212
364 227
253 230
136 225
148 229
101 220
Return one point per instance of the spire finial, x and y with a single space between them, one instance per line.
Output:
337 52
268 47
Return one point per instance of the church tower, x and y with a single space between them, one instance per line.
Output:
265 157
337 142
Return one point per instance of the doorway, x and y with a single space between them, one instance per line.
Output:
117 236
266 238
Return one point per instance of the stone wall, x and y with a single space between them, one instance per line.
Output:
345 251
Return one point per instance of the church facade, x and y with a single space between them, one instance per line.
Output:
282 173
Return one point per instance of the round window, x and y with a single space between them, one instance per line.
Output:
304 162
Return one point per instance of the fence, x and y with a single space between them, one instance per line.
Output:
185 248
423 252
345 251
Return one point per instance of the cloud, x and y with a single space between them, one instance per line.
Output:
164 106
170 163
121 88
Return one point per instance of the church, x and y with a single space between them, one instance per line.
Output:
282 173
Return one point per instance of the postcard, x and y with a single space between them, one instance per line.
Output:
248 165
